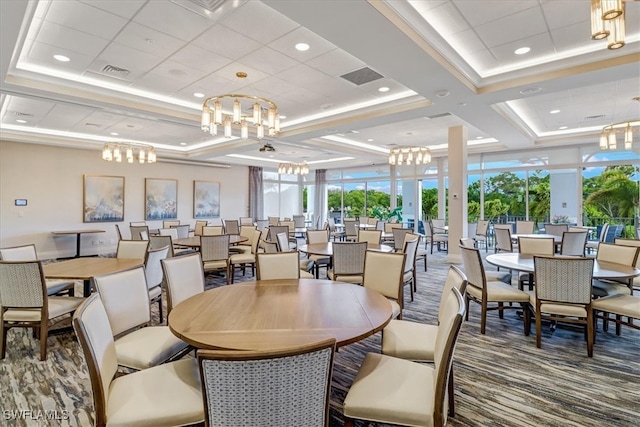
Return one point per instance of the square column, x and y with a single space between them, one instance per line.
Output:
458 221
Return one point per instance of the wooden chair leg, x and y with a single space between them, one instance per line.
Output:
43 339
590 333
232 267
450 392
501 310
160 308
538 330
3 343
483 319
348 422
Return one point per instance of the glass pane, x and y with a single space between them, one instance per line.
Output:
353 199
334 201
504 196
269 175
539 196
378 199
289 200
271 199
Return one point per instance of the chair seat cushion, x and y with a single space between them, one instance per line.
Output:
57 307
243 258
605 288
569 310
499 292
409 340
624 305
395 308
407 276
212 265
498 276
319 259
306 275
58 285
168 394
155 293
146 347
349 278
393 391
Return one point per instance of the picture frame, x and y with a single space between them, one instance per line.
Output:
103 198
160 199
206 199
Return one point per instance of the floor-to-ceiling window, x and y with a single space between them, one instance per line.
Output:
282 194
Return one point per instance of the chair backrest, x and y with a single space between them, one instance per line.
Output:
473 267
255 240
22 285
126 299
376 222
536 245
390 226
428 228
19 253
363 219
94 333
214 248
467 242
298 221
613 231
383 273
274 230
603 232
262 224
212 230
630 242
184 277
153 265
119 232
563 279
157 242
291 226
555 229
410 248
144 235
198 228
453 310
525 227
283 242
270 247
348 258
483 228
350 227
438 223
273 220
231 226
573 243
609 252
135 231
183 230
373 237
302 376
245 220
503 239
173 232
132 249
247 231
168 223
455 279
399 236
137 223
281 265
317 236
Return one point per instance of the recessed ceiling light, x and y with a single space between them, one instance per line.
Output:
530 90
563 127
554 111
479 137
370 140
198 95
383 89
282 117
21 121
302 47
61 58
183 143
442 93
522 50
115 133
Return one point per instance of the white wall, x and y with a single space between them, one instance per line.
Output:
51 179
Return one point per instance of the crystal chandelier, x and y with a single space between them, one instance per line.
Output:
409 155
293 169
118 151
227 112
608 136
608 21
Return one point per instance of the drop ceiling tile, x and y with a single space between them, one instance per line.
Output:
561 13
124 9
466 41
481 12
259 22
64 117
71 39
148 40
42 54
336 63
540 44
200 59
514 27
85 18
482 60
229 72
178 71
210 85
286 44
269 61
445 18
38 109
160 83
573 37
302 75
274 85
172 19
135 61
226 42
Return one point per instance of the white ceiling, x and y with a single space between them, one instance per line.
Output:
423 49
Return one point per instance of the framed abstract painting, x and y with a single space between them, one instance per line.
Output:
103 198
206 199
160 199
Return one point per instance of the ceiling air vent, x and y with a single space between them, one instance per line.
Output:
599 116
437 116
21 115
362 76
95 125
213 10
112 70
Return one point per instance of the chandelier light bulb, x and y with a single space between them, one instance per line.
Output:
409 155
237 111
113 152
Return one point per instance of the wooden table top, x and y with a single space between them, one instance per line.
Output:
601 269
272 314
326 249
86 268
194 241
63 232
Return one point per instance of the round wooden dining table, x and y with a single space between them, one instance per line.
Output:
275 314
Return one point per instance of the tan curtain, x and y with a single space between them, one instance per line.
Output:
256 193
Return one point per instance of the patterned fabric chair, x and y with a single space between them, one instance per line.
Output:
184 277
419 390
212 230
563 293
482 234
416 341
573 243
440 239
484 292
348 262
410 248
618 254
28 253
398 237
183 230
350 230
533 246
373 237
525 227
199 226
555 229
231 226
154 276
136 230
172 391
502 233
383 273
126 300
270 389
319 261
215 253
246 258
25 303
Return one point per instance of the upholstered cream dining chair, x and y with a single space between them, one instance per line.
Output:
383 273
184 278
348 262
154 275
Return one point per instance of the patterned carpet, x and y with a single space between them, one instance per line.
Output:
502 379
